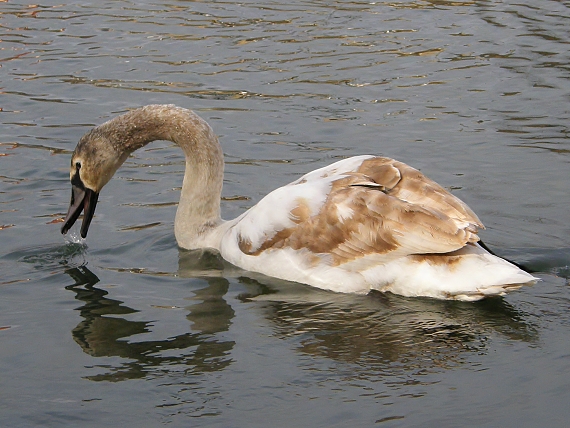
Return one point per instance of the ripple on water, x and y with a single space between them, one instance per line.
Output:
472 93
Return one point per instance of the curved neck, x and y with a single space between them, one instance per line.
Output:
198 212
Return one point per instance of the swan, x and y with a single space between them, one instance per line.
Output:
363 223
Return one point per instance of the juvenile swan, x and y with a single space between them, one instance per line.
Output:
363 223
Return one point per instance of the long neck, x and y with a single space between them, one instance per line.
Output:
198 212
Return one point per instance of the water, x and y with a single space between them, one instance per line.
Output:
126 329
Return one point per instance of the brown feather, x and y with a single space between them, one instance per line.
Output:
396 211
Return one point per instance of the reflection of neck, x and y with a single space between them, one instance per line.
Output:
101 335
198 212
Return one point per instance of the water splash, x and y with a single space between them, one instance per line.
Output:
73 237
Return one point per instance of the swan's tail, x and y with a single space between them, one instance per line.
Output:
468 274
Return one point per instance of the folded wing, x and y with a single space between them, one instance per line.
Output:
357 213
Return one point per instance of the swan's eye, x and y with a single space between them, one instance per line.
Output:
77 166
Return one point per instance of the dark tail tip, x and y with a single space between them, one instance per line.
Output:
519 265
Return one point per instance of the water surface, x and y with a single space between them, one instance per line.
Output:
128 329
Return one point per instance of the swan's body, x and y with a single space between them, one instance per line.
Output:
363 223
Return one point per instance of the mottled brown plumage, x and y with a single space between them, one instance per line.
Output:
389 208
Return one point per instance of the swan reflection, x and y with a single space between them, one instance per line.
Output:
100 335
380 333
383 331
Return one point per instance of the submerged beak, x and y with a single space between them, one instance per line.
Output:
82 199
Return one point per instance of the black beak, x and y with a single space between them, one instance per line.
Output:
82 199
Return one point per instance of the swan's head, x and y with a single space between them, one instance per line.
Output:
93 163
